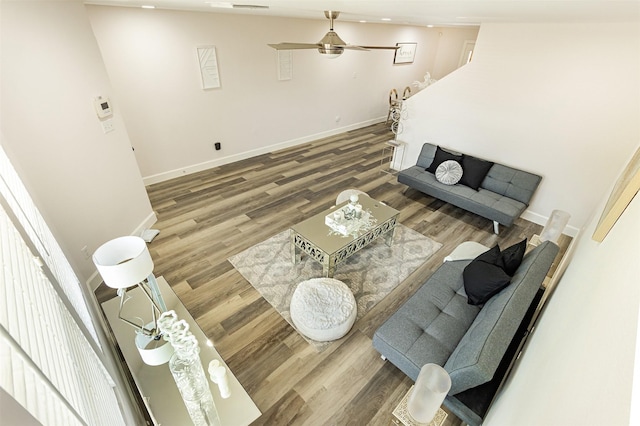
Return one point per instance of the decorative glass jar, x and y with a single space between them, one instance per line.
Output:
187 371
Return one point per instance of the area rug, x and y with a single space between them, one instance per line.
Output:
371 274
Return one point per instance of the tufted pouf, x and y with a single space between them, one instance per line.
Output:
323 309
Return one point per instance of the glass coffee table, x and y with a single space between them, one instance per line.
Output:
332 245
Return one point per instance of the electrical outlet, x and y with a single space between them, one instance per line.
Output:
338 118
108 126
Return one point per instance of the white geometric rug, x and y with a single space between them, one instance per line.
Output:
371 274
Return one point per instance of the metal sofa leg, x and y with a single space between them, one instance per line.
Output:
496 227
384 358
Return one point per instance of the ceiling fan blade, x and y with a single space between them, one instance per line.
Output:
354 47
290 46
382 47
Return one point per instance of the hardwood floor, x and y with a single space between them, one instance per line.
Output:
206 217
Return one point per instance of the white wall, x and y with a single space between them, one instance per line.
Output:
559 100
85 183
151 58
578 365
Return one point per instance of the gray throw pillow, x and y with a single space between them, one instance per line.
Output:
449 172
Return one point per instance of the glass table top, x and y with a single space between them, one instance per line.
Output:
319 233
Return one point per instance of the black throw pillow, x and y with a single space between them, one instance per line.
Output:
474 171
491 256
441 156
484 277
511 257
483 280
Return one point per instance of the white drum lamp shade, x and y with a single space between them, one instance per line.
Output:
123 262
153 351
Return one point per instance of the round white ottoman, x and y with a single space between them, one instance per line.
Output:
323 309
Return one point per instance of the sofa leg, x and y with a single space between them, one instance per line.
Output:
496 227
384 358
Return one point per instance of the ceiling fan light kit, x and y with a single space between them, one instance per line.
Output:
331 44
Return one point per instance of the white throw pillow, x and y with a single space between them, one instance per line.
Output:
449 172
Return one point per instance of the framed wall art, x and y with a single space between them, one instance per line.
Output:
405 53
623 192
208 67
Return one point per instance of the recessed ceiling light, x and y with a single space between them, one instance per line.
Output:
363 22
429 26
148 6
386 19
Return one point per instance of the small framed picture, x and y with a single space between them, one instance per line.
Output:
405 53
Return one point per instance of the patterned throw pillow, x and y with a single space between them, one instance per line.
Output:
449 172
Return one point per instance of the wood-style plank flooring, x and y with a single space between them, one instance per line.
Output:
206 217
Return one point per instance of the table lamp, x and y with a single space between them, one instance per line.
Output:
125 262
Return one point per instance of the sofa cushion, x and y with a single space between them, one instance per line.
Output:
442 156
474 171
427 154
429 325
512 183
511 257
485 203
484 278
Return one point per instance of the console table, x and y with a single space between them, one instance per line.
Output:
155 383
392 155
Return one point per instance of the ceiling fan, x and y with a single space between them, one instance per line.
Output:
331 44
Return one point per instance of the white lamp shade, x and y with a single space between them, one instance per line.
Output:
123 262
153 352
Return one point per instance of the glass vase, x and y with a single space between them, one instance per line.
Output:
192 383
430 389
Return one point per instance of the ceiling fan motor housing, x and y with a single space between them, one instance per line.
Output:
331 44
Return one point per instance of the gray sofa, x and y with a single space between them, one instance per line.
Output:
437 325
503 195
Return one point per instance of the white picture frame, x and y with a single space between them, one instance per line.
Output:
208 62
405 54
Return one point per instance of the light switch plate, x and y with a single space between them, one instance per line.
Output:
107 126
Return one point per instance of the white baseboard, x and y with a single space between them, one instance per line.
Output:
539 219
161 177
95 279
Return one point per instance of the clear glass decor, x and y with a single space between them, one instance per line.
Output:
554 226
187 371
430 389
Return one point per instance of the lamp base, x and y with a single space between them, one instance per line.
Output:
402 413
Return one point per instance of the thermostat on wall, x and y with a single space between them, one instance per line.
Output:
103 107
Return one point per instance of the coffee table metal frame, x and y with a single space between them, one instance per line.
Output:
335 249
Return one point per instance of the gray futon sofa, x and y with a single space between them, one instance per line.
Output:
502 196
437 325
